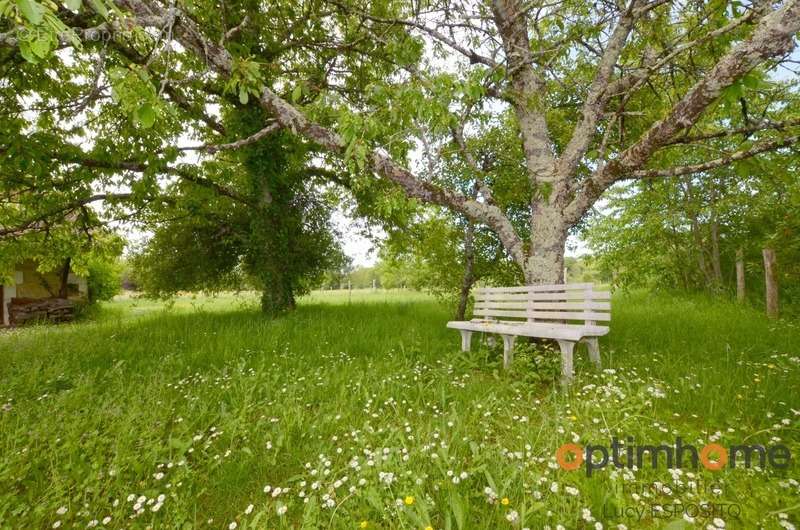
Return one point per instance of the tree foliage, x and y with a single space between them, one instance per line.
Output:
591 95
686 233
278 239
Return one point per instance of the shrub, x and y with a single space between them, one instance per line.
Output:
104 279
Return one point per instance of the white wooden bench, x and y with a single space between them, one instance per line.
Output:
542 311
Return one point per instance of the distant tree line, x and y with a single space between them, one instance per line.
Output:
730 233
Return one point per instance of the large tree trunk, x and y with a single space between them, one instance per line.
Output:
771 280
63 290
545 262
277 298
740 288
469 271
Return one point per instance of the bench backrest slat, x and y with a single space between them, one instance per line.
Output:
566 295
570 302
537 288
525 304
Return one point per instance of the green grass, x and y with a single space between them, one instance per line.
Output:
203 402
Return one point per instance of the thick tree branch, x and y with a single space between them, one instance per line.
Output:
141 167
527 89
38 222
457 133
725 160
628 85
773 37
639 76
750 129
594 105
85 160
383 165
238 144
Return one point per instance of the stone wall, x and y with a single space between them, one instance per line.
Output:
23 311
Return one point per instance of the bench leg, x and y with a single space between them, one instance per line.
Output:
567 347
594 350
508 349
466 339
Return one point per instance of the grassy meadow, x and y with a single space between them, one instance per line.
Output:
359 411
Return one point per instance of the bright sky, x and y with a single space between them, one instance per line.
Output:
355 245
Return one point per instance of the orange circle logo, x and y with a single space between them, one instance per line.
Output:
722 457
566 449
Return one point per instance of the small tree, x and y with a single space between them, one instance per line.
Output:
278 238
446 256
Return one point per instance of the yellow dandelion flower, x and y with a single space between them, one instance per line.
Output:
428 528
409 500
363 524
505 501
573 418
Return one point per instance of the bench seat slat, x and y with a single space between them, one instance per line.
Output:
571 332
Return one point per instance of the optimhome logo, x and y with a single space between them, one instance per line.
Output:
679 455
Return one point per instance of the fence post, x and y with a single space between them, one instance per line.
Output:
740 292
771 279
